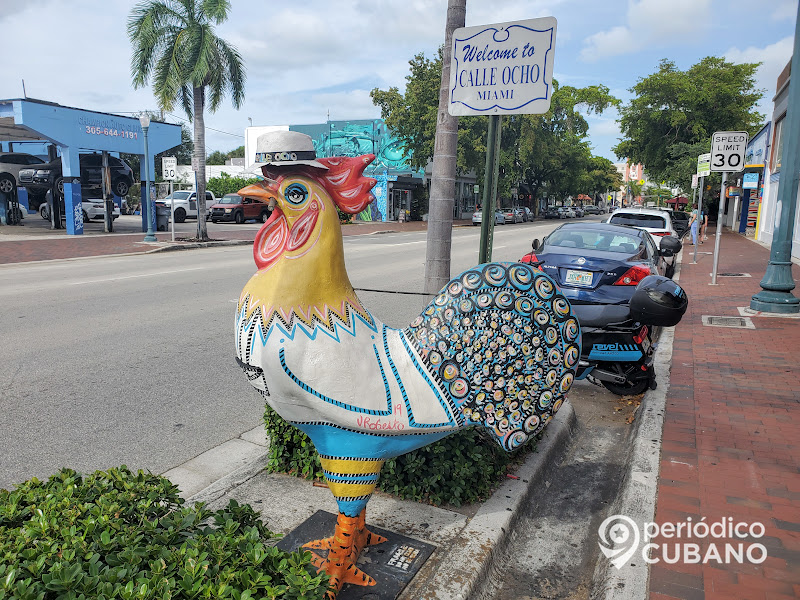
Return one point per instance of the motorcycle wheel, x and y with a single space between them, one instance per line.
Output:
628 388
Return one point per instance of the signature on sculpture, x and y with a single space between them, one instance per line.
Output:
496 348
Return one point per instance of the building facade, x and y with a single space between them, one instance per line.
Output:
401 191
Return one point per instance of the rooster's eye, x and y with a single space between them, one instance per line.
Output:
296 193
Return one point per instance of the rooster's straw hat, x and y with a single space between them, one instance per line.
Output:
283 149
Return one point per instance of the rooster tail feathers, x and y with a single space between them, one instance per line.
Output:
502 341
346 184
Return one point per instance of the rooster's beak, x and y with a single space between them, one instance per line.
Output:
262 190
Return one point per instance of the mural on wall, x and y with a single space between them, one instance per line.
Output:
357 138
496 348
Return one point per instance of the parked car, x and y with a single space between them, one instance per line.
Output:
511 215
185 202
656 221
591 209
233 207
10 165
49 176
552 212
499 218
565 212
528 214
680 222
578 211
92 209
600 263
521 216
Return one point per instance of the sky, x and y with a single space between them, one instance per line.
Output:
310 60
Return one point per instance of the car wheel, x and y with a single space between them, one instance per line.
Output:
239 217
264 216
44 210
121 187
7 183
60 187
215 220
180 215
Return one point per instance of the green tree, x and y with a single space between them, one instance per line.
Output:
674 113
216 158
225 184
174 44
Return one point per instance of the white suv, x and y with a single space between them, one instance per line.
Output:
186 204
657 223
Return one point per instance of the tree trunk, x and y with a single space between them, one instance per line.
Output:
440 212
200 160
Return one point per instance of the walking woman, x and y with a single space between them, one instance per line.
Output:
693 224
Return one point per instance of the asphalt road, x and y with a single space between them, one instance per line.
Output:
129 360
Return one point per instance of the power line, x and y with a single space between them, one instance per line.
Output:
207 127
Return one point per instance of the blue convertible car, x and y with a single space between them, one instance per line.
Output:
599 263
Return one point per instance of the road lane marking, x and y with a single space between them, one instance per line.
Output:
135 276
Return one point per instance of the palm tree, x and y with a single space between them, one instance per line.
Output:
174 43
443 176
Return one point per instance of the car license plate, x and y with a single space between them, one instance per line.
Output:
579 277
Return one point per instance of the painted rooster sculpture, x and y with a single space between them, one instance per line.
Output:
497 348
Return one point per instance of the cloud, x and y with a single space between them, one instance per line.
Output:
774 58
650 23
783 10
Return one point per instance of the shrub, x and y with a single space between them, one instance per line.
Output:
119 534
462 468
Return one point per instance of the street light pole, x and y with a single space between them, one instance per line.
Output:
777 285
144 120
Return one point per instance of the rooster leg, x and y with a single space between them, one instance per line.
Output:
352 483
349 539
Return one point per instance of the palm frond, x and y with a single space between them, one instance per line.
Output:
216 10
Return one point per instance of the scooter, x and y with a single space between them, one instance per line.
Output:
618 340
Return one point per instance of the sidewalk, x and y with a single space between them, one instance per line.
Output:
731 437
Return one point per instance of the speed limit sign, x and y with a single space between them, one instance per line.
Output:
169 164
727 150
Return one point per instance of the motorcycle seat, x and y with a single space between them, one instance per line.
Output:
600 315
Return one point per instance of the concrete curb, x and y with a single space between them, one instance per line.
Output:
193 245
465 563
639 490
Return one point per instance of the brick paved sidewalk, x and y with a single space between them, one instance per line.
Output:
731 439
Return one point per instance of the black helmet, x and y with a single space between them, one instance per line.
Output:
658 301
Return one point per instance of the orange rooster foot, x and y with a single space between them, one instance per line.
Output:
344 547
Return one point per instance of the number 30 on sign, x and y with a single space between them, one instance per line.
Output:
727 150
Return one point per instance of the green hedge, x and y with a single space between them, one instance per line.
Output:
119 534
462 468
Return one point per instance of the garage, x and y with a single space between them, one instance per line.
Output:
84 142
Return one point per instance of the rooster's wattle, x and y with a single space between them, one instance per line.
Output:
497 347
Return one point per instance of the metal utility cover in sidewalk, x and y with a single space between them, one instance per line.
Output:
393 564
736 322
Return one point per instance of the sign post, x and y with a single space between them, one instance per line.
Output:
505 68
703 169
727 156
169 166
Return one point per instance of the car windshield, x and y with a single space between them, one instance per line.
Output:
637 220
231 199
179 195
588 239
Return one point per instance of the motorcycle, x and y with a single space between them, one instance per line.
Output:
618 340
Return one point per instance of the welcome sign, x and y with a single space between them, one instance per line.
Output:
506 68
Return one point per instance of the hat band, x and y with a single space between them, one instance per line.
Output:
265 157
